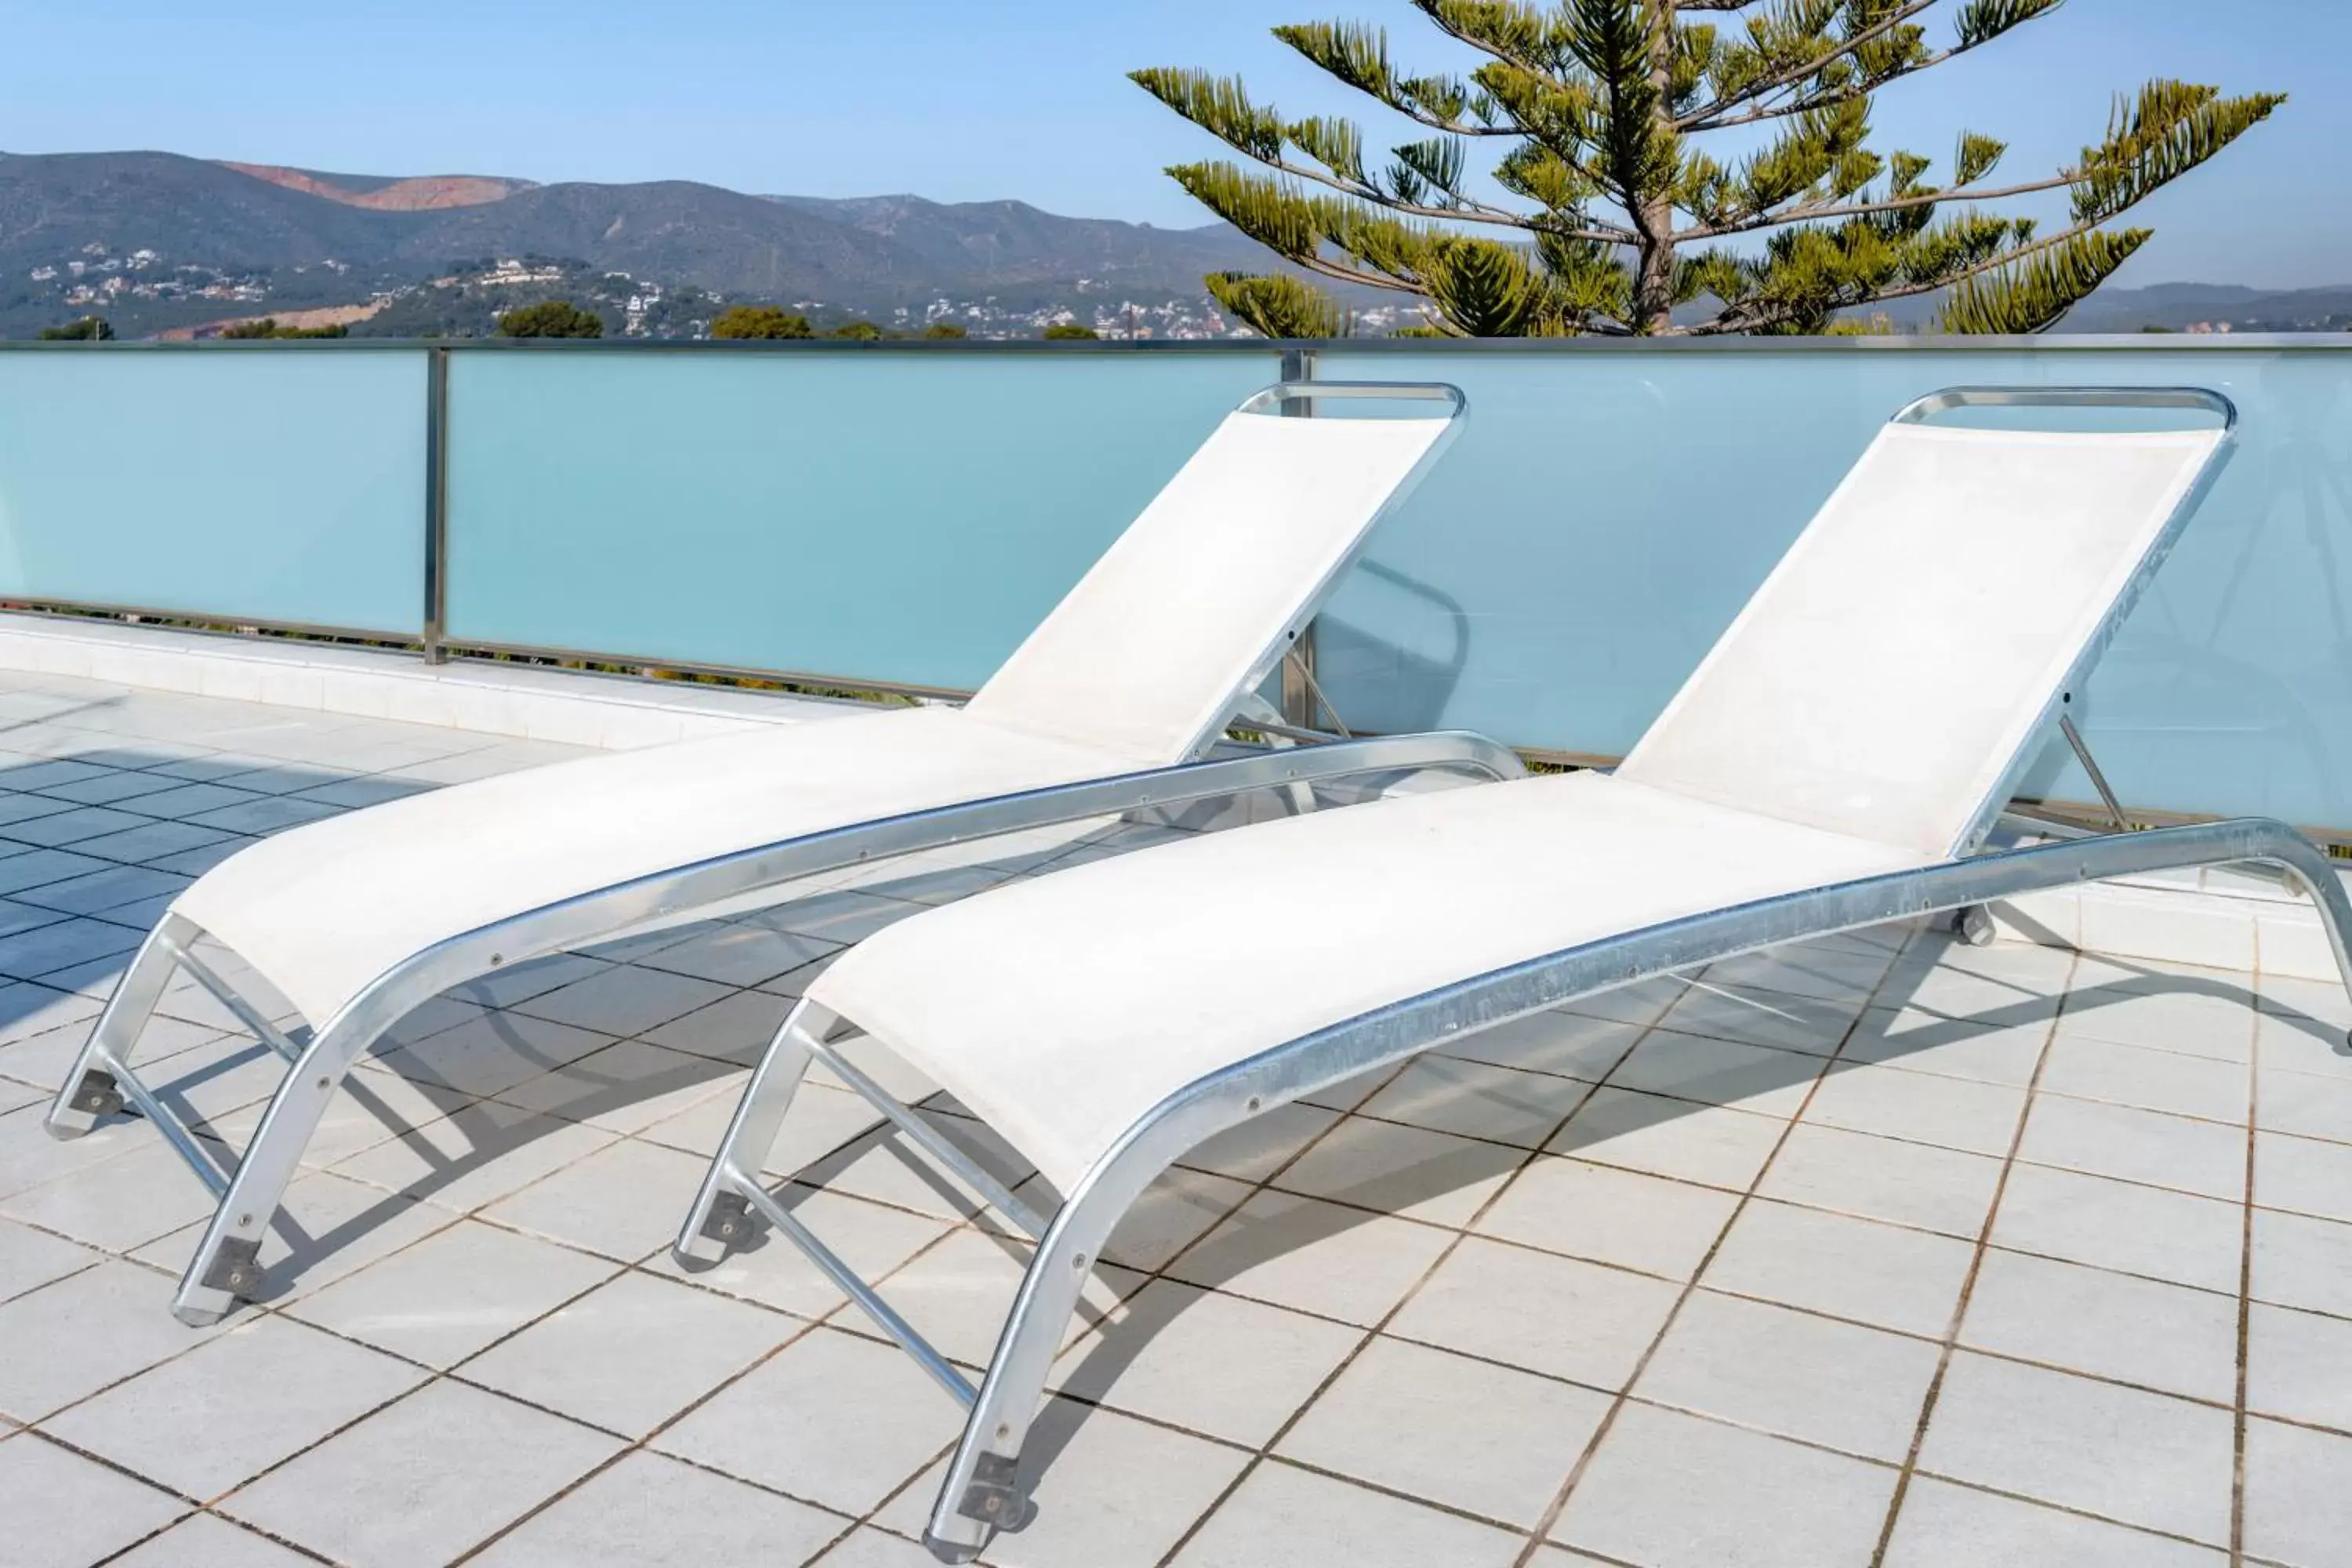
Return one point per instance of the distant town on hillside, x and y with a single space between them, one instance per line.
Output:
165 245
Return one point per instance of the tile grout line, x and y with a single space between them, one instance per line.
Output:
1540 1535
2245 1285
1371 1335
1968 1283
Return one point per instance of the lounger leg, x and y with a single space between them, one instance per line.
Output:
985 1491
89 1090
227 1264
720 1217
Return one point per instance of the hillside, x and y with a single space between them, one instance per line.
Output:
157 240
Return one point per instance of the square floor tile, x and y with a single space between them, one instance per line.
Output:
1264 1144
208 1541
1314 1257
1553 1315
64 1512
2203 1018
1833 970
1567 1044
1901 1279
1280 1514
2112 1225
1467 1434
1944 1526
100 893
29 1258
474 1157
631 1353
652 1512
2309 1105
740 955
624 1000
2304 1175
424 1481
122 1203
1473 1100
2182 1084
2303 1262
1854 1389
1718 1072
628 1086
1174 1214
836 1419
2202 1157
57 829
736 1028
1715 1145
1610 1215
520 982
327 1227
2165 1337
30 954
624 1201
2299 1366
231 1407
491 1052
1214 1364
1948 1114
2138 1458
1397 1169
2298 1510
94 1327
1758 1018
451 1294
1669 1490
1902 1183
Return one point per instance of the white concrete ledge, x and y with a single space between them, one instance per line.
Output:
571 707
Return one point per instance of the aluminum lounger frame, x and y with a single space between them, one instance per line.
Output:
226 1265
984 1490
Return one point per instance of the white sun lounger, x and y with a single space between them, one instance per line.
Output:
1837 762
357 920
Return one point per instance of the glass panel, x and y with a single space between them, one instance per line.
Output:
281 483
1605 514
903 518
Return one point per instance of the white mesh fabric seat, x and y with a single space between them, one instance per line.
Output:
1118 982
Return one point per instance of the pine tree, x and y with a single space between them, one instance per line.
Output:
1612 216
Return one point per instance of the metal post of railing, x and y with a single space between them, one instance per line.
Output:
1298 665
437 503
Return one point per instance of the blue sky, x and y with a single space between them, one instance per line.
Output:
960 101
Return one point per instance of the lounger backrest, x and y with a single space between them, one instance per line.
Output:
1908 646
1147 655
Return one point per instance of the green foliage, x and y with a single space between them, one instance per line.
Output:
269 327
1279 306
88 328
550 318
939 331
1069 332
760 321
861 331
1591 119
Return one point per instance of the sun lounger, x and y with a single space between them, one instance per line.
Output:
1837 762
357 920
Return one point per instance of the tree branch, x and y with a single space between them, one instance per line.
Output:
1703 118
1860 209
1725 324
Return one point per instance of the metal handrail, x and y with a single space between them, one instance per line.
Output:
1953 398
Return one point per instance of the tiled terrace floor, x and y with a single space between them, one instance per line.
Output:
1879 1252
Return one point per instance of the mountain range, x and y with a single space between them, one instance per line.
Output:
158 241
324 239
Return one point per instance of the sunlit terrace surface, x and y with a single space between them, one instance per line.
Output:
1880 1250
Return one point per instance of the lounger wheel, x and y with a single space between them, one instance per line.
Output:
1974 926
952 1550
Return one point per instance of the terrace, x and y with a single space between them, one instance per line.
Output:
1878 1250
